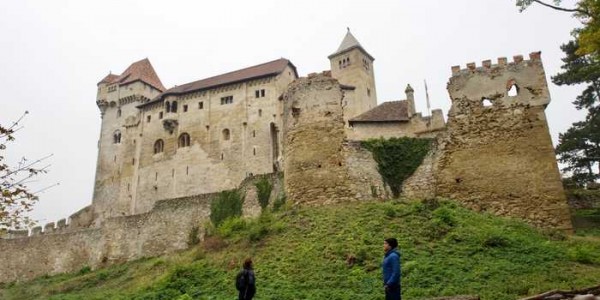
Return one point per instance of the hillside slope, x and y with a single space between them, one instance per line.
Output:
303 254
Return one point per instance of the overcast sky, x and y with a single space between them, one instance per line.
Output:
52 54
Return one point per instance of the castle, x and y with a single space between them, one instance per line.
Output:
164 153
209 135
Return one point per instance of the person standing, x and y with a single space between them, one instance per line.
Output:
391 270
245 282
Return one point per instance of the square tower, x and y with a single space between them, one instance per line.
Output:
352 65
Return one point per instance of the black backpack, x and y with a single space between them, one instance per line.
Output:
241 280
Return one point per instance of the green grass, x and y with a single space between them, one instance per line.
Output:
302 254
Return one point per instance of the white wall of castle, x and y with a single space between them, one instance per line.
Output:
130 177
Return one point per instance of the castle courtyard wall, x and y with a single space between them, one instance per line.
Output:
164 229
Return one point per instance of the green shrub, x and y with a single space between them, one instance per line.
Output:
397 158
84 270
226 205
193 238
584 253
279 202
231 226
264 188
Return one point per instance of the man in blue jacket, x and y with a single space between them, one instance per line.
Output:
391 269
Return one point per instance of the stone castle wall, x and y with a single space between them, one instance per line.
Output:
131 177
163 229
498 157
320 166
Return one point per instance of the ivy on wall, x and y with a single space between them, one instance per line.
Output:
227 204
397 158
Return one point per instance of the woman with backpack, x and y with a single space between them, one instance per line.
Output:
245 282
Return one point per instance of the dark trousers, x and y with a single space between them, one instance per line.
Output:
393 293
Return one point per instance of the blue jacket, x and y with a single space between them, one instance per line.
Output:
391 268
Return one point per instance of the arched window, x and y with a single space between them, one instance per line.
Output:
168 106
159 146
226 134
174 106
117 137
184 140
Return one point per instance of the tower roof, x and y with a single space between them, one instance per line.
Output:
349 43
138 71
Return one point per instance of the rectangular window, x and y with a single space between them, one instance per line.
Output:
259 93
226 100
160 115
185 108
200 105
148 118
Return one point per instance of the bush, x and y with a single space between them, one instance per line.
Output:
279 202
193 238
226 205
231 226
397 158
264 188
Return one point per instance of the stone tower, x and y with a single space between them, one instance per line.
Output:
497 154
352 65
117 98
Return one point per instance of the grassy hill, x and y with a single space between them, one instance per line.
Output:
303 254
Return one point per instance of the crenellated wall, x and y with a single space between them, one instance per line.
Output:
161 230
496 154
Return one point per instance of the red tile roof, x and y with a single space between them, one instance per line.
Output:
138 71
259 71
391 111
143 71
109 78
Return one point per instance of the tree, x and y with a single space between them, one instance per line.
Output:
15 197
579 150
578 147
588 13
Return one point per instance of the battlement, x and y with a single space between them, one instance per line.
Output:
505 84
502 62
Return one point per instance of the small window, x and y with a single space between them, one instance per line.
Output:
256 93
369 92
226 134
168 106
185 108
260 112
253 133
254 151
148 118
160 115
184 140
262 92
486 102
118 113
159 146
513 91
174 106
117 137
226 100
200 105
